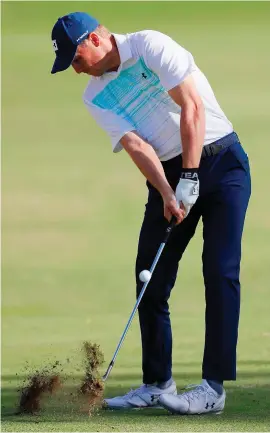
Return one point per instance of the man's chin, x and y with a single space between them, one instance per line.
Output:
94 73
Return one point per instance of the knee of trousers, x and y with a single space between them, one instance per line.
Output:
156 295
161 283
218 268
152 296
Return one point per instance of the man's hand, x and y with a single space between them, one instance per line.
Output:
172 208
187 190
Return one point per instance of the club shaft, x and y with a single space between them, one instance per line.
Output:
156 259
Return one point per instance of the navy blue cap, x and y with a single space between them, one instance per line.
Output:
68 32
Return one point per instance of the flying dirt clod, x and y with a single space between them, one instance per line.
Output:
92 386
38 384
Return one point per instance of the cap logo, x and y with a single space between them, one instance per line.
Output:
55 47
84 34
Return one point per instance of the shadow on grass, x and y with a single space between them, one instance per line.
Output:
246 403
197 364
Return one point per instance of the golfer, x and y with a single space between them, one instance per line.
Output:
149 95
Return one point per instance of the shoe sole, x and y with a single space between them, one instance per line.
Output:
107 407
175 412
130 408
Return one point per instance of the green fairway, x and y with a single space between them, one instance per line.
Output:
72 210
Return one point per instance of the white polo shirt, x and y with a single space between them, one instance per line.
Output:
136 96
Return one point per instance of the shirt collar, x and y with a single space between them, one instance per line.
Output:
123 47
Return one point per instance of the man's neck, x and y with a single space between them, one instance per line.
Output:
115 60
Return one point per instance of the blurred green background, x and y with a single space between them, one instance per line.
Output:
71 213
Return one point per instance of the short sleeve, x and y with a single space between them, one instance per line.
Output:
114 125
171 62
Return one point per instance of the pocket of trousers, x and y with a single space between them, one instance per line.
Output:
241 156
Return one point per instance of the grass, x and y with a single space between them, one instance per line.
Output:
72 212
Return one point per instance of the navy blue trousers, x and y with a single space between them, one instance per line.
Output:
225 189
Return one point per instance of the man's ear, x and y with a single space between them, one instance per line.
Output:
94 39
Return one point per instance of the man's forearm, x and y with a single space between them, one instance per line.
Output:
192 129
149 164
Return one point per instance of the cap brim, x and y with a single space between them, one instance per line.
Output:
62 63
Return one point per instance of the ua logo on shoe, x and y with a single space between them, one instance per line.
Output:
209 405
154 398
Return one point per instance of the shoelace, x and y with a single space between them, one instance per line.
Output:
133 392
195 392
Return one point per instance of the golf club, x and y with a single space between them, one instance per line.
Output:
162 245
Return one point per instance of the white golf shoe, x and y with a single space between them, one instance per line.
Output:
200 399
142 397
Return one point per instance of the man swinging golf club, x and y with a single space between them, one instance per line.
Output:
149 95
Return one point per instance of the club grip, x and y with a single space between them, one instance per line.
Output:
173 222
169 228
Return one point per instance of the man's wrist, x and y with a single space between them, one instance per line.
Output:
189 173
166 191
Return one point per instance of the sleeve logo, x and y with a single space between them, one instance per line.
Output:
55 47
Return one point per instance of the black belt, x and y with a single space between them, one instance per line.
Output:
215 147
